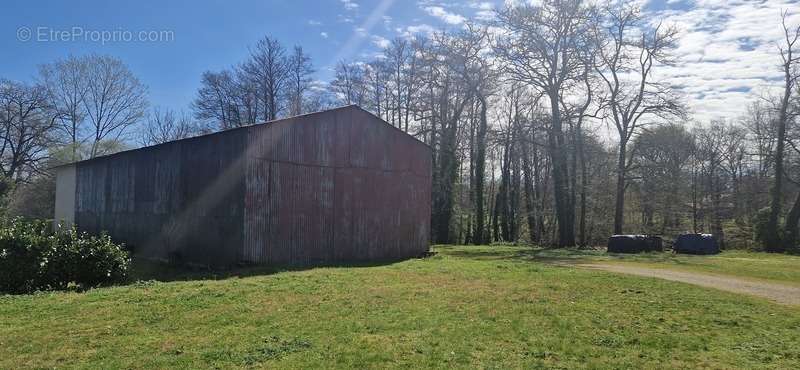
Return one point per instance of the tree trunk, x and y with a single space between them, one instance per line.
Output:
566 223
495 217
573 174
515 188
480 164
539 191
694 195
503 193
527 180
444 193
773 242
791 226
619 205
716 224
584 186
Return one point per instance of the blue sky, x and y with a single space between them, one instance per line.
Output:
208 35
726 52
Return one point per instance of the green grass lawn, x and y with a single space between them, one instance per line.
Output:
755 265
466 307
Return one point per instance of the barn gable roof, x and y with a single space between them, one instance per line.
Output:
353 107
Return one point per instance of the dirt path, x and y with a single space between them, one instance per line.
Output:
776 292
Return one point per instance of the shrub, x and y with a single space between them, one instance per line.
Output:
34 257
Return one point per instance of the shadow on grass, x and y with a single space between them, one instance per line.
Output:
486 254
143 270
505 253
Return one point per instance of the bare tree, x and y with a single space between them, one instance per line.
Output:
319 98
397 56
734 138
625 66
467 59
26 125
165 125
300 71
216 100
793 217
514 106
375 81
792 223
576 113
760 121
789 68
660 158
66 82
442 101
532 163
543 46
115 100
349 83
710 151
245 98
269 68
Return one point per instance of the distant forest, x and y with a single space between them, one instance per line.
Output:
548 126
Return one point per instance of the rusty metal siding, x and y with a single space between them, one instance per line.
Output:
205 223
339 185
336 186
177 200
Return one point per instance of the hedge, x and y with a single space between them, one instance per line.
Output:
35 257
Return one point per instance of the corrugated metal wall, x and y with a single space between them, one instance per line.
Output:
181 200
333 187
339 185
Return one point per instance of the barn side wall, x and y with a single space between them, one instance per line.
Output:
176 201
338 186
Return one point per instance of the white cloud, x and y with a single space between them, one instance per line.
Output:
349 4
444 15
324 35
726 53
483 5
484 10
415 29
380 42
312 22
354 42
320 85
485 15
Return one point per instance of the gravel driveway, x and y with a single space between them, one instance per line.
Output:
780 293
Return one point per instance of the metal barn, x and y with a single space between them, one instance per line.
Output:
333 186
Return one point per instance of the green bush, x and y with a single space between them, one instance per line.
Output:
34 257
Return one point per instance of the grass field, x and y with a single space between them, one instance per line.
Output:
466 307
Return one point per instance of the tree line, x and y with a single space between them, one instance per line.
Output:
548 125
